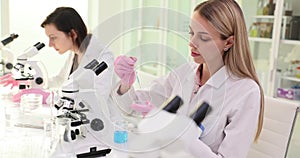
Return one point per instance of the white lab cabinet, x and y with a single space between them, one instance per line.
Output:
276 50
274 45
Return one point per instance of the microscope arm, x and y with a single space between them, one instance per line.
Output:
31 51
71 87
83 76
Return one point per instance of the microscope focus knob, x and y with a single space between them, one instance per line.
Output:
69 135
9 66
77 132
39 80
97 124
73 135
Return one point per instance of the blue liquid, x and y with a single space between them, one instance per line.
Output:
120 136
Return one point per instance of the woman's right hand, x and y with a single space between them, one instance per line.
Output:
124 68
9 80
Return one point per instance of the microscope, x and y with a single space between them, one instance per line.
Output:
31 74
82 108
6 56
162 131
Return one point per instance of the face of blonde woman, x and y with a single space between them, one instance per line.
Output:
60 41
206 46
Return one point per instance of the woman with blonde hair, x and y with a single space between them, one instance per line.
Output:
222 74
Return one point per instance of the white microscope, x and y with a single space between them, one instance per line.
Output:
164 131
83 110
29 70
6 56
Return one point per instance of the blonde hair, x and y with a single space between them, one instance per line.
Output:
227 18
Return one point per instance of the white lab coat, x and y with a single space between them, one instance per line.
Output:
231 125
101 83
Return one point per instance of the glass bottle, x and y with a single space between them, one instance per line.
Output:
272 7
269 8
260 7
266 9
294 28
287 9
253 30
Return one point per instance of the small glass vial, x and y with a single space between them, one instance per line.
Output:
121 139
120 132
298 72
287 9
253 30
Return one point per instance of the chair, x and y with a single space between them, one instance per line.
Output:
279 118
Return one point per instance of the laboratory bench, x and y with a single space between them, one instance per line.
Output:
26 134
22 133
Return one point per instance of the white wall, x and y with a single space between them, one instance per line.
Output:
100 12
25 18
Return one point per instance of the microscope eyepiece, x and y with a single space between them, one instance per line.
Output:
39 45
173 105
99 68
9 39
35 45
14 36
96 67
199 115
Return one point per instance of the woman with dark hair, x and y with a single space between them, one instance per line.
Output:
67 32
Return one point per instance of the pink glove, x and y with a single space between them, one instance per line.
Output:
142 108
9 80
124 68
17 97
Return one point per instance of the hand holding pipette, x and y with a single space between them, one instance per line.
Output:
124 68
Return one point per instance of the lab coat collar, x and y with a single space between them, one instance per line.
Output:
94 45
218 78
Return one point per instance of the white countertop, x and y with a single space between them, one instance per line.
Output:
28 138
